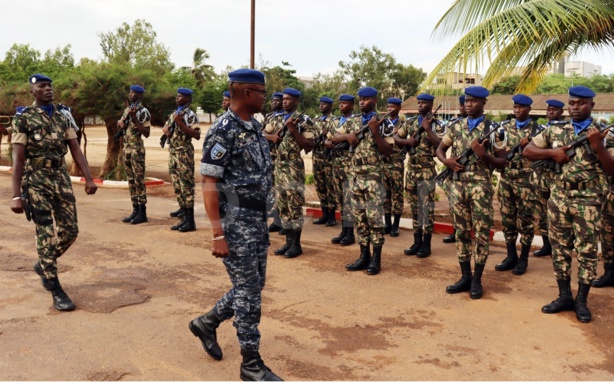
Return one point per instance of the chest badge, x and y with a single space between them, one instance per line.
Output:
38 136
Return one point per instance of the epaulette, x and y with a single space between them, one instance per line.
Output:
550 123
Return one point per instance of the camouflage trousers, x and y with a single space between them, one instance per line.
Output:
573 223
393 182
542 181
290 192
471 201
421 196
368 195
134 161
342 172
324 181
517 205
181 170
607 227
52 198
447 188
248 242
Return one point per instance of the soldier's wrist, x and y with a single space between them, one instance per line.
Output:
16 198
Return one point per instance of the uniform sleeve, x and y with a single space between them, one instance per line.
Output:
447 139
403 130
309 129
217 150
19 135
70 133
540 140
192 121
145 117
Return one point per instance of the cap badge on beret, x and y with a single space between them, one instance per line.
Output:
39 78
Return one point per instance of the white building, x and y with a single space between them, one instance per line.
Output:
579 68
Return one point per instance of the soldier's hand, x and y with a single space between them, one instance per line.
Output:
219 248
374 124
560 156
479 148
595 138
453 165
178 118
277 138
17 206
120 123
413 142
90 187
329 144
426 122
524 142
352 139
166 131
291 123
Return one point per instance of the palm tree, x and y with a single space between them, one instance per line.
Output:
528 33
199 69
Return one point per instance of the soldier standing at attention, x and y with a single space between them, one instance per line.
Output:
517 189
421 174
368 191
135 122
42 135
323 166
393 175
182 126
273 122
236 172
471 190
296 134
574 208
342 169
226 100
543 181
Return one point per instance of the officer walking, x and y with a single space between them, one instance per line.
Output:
394 165
43 134
322 164
236 171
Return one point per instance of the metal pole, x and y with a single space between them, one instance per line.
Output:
252 37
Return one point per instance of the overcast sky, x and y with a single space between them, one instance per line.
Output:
312 35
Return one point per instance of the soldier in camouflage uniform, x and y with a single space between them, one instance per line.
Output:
394 166
236 172
543 179
517 188
472 192
342 169
323 165
296 134
574 208
182 126
42 135
272 123
370 143
135 122
418 133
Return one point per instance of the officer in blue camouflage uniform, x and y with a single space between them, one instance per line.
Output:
237 180
273 121
42 135
543 179
574 208
373 140
323 164
134 123
394 166
182 126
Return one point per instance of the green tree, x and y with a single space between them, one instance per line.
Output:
528 33
201 71
20 61
506 85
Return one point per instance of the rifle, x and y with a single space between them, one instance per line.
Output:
360 135
517 149
165 138
25 197
412 149
465 156
284 129
122 131
552 165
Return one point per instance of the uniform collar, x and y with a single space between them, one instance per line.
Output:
243 123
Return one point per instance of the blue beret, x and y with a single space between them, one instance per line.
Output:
367 92
581 92
185 91
461 99
522 99
292 92
226 94
39 78
555 103
346 97
425 97
477 92
326 99
247 76
395 101
20 109
278 95
137 89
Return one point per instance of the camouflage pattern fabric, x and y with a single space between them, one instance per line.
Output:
323 165
134 154
394 166
543 182
342 171
607 226
237 154
181 159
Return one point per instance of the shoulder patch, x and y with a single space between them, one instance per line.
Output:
218 151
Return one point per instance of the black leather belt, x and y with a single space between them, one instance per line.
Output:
45 162
242 202
575 186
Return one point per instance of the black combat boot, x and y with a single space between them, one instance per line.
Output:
425 248
582 312
546 249
349 238
451 238
388 224
362 262
276 225
394 231
47 283
190 224
254 369
141 217
510 261
283 231
285 247
417 243
179 213
204 328
376 261
324 218
295 249
332 218
475 292
523 261
184 219
565 300
608 277
61 301
464 284
135 211
344 230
